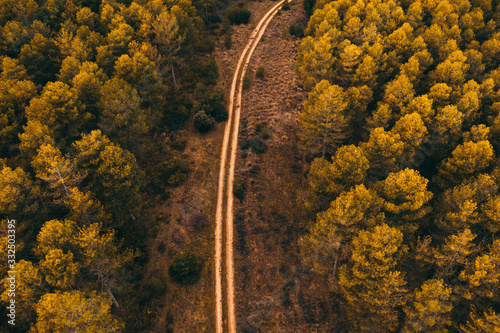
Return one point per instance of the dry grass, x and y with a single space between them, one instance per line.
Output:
191 308
274 291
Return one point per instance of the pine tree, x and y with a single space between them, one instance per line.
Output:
489 321
430 309
102 257
324 121
405 193
75 311
29 287
383 150
467 159
370 282
328 241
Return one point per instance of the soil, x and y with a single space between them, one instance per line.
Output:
275 291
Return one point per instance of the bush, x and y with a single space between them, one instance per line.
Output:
226 26
257 145
214 19
260 72
156 286
199 221
176 171
211 101
203 122
239 187
205 45
286 6
247 79
228 41
177 142
239 15
297 29
185 269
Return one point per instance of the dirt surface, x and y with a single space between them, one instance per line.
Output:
171 228
275 292
229 151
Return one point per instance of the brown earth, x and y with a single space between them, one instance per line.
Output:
275 291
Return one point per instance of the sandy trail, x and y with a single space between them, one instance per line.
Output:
232 125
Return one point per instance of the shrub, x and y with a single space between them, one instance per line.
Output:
239 187
265 133
175 171
177 142
185 269
260 72
162 247
214 19
203 122
228 41
257 145
156 286
205 45
239 15
247 79
199 221
211 101
226 26
297 29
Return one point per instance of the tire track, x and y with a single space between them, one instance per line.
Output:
232 125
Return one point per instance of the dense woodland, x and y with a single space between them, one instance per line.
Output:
402 127
91 96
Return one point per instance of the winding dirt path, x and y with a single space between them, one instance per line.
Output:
225 190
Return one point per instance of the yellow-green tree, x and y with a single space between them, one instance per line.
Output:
75 311
102 256
56 234
29 288
34 136
455 252
405 193
168 38
18 193
467 159
489 322
58 171
59 109
315 60
348 168
413 133
121 114
430 309
398 93
85 209
141 73
370 282
383 150
330 237
59 268
324 122
119 181
483 276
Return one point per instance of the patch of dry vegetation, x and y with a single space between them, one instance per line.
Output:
274 291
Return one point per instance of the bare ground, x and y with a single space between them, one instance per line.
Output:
275 291
191 308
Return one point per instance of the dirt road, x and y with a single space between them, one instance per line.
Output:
226 178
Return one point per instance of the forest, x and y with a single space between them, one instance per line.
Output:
92 94
400 133
401 125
